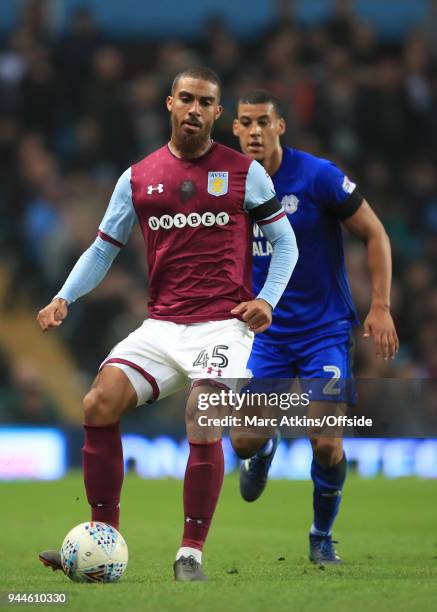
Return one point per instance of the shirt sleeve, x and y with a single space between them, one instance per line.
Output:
89 270
284 258
262 205
120 215
260 199
335 192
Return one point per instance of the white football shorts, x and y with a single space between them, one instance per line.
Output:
160 357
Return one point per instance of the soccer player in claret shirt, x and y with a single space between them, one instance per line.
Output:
195 201
310 336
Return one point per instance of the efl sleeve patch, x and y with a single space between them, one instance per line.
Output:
348 186
334 192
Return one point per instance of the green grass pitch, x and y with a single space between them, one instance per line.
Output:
256 555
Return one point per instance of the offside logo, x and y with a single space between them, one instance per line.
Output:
207 219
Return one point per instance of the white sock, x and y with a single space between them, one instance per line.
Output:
266 449
187 551
314 531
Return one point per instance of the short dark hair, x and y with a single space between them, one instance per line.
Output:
197 72
262 96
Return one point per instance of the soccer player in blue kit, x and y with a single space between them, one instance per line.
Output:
310 337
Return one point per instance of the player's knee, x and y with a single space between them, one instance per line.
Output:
328 451
201 430
198 404
98 407
191 412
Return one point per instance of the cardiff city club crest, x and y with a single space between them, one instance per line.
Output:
290 203
217 183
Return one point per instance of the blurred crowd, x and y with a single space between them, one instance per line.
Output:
78 109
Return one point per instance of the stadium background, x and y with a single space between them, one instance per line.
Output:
82 86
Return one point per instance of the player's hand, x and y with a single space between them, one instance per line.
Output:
379 325
256 313
53 314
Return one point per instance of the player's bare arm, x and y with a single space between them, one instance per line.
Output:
379 323
256 313
53 314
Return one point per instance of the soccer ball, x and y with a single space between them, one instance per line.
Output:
94 552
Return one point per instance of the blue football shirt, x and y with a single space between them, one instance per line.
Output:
316 196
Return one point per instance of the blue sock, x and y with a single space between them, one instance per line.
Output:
328 484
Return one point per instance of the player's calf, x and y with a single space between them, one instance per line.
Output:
247 446
250 437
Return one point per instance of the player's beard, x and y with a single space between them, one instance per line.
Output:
189 144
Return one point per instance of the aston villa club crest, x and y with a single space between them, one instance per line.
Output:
218 183
290 203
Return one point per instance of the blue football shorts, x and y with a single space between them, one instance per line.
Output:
323 365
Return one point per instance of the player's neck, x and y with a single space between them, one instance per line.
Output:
183 153
272 163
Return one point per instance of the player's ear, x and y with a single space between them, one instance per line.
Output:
235 126
219 111
282 126
169 103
